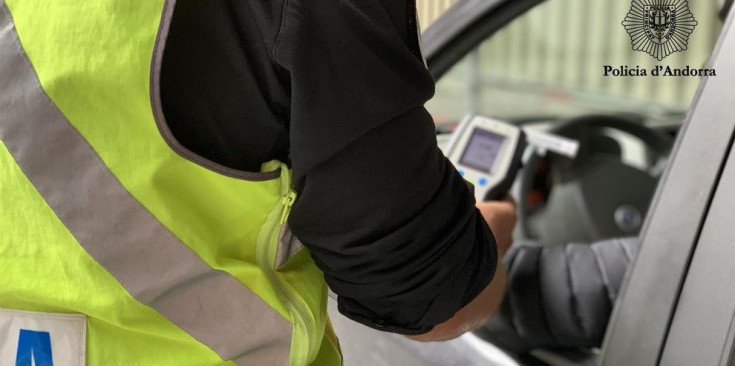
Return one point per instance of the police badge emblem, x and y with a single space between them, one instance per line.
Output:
659 27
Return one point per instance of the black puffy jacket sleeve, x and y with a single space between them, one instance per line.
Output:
560 296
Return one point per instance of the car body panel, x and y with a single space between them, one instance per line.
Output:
465 25
698 334
642 318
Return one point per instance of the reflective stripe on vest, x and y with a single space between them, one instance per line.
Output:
120 234
92 91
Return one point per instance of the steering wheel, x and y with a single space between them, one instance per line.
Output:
596 195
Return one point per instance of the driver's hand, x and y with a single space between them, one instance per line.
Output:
501 217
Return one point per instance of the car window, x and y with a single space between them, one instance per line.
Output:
549 63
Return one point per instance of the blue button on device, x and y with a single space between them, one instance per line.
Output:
482 182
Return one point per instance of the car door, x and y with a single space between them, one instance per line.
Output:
678 307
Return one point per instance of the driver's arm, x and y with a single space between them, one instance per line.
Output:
385 215
560 296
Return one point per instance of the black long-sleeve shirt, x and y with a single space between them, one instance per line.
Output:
336 88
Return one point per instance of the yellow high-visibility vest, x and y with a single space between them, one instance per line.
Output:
167 258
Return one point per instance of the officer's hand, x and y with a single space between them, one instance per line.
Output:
501 217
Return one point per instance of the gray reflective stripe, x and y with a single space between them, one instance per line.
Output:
119 233
288 246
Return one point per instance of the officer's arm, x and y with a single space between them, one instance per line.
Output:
387 218
501 216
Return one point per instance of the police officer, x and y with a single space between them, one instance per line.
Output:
163 164
337 89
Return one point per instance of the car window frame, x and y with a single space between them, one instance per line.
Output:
464 26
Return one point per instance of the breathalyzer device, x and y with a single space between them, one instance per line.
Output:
487 153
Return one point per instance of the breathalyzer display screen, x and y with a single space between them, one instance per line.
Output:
482 150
